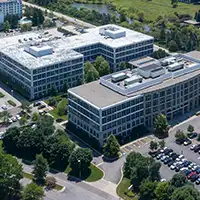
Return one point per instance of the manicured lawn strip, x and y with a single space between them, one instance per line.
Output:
93 174
27 175
152 9
30 177
54 112
122 187
1 148
1 95
12 103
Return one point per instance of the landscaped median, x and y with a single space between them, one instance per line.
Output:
30 177
91 175
1 95
12 103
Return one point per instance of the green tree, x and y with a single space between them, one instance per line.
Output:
23 120
161 191
153 145
162 35
104 68
6 26
53 90
40 168
161 126
97 63
35 117
122 17
178 180
174 3
154 171
122 65
173 47
33 192
190 128
147 190
80 159
162 144
10 175
4 116
52 101
180 135
112 147
25 27
65 87
187 192
91 74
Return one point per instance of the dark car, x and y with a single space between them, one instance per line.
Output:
186 163
179 142
197 170
41 106
187 172
167 151
192 135
197 148
174 156
194 177
170 163
36 104
178 167
167 160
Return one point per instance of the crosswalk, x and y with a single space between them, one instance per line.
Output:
136 144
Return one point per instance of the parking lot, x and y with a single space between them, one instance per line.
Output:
4 105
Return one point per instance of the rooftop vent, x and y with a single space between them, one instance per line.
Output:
118 77
39 51
112 32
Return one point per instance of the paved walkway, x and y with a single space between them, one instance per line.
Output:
67 18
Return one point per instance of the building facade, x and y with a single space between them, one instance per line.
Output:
107 106
10 7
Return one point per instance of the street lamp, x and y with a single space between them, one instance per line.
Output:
79 168
12 92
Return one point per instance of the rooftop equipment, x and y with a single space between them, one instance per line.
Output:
133 79
118 77
175 66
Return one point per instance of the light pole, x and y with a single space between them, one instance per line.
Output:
79 168
12 92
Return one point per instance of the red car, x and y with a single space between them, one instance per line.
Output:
191 174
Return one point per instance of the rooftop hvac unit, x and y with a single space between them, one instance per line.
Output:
133 79
175 66
118 77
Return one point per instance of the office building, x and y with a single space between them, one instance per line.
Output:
119 102
35 62
10 7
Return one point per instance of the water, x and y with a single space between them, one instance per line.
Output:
101 8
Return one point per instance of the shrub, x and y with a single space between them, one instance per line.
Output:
1 95
59 120
12 103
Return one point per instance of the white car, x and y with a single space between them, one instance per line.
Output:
182 169
14 119
193 146
173 166
163 158
4 107
10 121
18 117
162 150
163 180
181 157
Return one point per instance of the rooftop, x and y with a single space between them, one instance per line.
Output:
105 92
64 47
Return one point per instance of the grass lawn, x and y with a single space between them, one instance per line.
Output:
93 174
1 149
27 175
54 112
152 9
122 187
12 103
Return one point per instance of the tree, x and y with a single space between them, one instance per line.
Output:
35 117
161 126
187 192
97 63
162 144
174 3
178 180
12 19
6 26
10 175
91 74
25 27
122 65
180 135
40 168
159 54
80 159
33 192
65 87
147 190
122 17
53 90
173 47
190 129
52 101
51 182
162 35
161 191
22 121
153 145
5 115
112 147
154 171
104 68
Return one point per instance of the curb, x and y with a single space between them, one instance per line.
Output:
121 176
60 191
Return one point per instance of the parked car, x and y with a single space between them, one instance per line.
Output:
187 172
198 181
163 158
160 156
170 163
187 142
4 107
192 135
162 150
38 103
193 146
194 177
197 148
191 174
167 160
198 170
41 106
